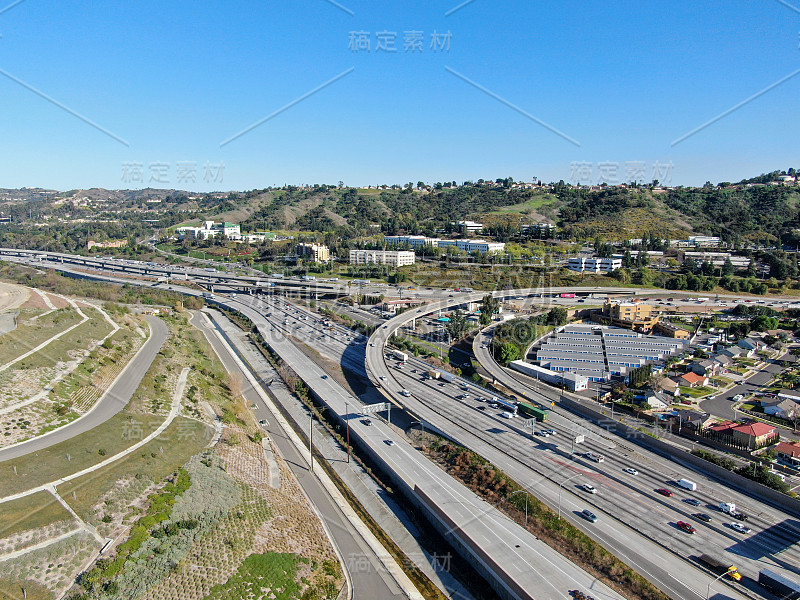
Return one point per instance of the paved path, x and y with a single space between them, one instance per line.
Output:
175 410
109 404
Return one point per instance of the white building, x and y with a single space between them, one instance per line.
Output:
594 265
393 258
718 258
210 229
470 226
418 241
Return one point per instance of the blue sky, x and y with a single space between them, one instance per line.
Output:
173 81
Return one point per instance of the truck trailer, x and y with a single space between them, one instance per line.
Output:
720 566
401 356
687 485
538 413
779 585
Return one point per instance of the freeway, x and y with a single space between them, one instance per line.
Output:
112 402
524 558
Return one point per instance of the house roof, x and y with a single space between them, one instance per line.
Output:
723 360
789 393
722 426
669 383
693 378
790 448
756 429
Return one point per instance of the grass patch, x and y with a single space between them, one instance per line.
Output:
31 512
82 451
696 392
155 460
27 336
273 571
11 589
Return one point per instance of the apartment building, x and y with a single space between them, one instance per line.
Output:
313 252
594 265
393 258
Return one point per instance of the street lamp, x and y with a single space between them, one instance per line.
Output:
560 487
708 589
347 418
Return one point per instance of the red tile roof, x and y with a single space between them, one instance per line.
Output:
790 448
693 377
755 429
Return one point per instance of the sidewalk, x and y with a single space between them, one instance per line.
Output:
391 517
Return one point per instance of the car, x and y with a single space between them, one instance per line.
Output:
389 442
462 396
703 517
664 492
442 384
739 527
413 370
324 376
543 433
405 393
740 516
367 422
710 397
737 398
589 516
687 527
589 488
551 431
481 407
371 345
692 501
262 422
631 471
382 377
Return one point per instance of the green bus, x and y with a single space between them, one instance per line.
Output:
525 408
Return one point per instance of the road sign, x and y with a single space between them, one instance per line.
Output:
375 408
579 439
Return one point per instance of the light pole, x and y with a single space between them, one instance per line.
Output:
560 487
708 589
526 503
347 419
311 438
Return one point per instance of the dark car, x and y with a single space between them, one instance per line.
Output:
664 492
740 516
703 517
692 501
589 516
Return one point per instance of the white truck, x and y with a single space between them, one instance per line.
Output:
687 485
727 507
401 356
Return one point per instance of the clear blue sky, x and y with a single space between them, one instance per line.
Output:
174 80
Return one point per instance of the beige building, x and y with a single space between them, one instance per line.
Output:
393 258
631 315
314 252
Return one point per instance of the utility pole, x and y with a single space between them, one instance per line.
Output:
347 419
311 438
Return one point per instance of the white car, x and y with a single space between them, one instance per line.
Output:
739 527
405 393
737 398
589 488
631 471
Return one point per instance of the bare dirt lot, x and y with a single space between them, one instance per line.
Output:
12 296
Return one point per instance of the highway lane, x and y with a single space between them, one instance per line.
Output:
481 520
632 502
488 426
368 583
113 401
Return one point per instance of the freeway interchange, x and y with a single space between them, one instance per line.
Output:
635 522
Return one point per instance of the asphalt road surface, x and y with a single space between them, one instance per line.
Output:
117 398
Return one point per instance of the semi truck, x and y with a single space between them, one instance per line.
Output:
720 566
779 585
432 374
401 356
538 413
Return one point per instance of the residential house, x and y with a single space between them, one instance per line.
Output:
737 352
658 401
671 386
790 395
749 435
693 380
723 361
707 367
789 453
691 419
780 407
751 343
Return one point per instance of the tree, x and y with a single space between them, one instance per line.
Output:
509 352
763 323
557 316
457 325
728 268
489 306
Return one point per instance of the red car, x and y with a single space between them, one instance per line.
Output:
664 492
686 527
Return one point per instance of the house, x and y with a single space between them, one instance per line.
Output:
693 380
750 343
750 435
671 386
790 395
788 453
707 368
658 401
723 361
737 352
780 407
691 419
